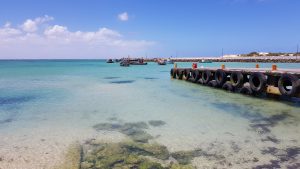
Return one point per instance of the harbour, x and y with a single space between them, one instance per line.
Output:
45 111
149 84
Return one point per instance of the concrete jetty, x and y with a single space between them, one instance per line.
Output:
250 81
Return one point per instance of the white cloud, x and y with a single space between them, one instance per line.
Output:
56 31
32 25
57 41
8 32
29 26
123 16
7 25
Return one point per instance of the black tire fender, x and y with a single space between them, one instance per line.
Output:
258 82
228 86
207 76
220 77
237 79
187 74
246 90
289 80
212 83
180 73
196 75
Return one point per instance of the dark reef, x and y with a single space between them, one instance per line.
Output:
111 77
122 81
15 100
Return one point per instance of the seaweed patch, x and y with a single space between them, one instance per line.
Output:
9 120
122 81
150 78
235 147
134 153
126 155
283 155
111 77
113 119
271 165
156 123
15 100
271 139
185 157
133 130
262 125
294 166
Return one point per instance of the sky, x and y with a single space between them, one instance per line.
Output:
86 29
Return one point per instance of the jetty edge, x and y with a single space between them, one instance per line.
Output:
249 81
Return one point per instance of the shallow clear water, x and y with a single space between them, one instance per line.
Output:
47 105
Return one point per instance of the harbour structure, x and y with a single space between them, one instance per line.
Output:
250 81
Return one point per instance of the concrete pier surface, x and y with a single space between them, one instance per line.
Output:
250 81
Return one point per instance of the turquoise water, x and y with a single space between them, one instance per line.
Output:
47 105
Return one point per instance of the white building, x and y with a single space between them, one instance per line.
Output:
231 56
263 53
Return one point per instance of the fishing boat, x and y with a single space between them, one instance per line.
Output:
169 61
109 61
161 62
125 63
205 61
138 62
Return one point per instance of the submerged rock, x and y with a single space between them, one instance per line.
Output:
156 123
153 150
126 155
138 135
134 154
185 157
133 130
107 126
178 166
72 157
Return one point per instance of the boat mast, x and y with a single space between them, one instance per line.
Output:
297 51
222 52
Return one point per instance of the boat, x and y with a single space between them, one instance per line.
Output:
125 63
169 61
161 62
205 61
109 61
138 62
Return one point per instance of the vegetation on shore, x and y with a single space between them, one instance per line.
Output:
270 54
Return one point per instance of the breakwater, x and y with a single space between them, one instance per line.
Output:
269 59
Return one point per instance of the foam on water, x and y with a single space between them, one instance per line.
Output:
47 105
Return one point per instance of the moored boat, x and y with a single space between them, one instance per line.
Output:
138 62
125 63
169 61
109 61
161 62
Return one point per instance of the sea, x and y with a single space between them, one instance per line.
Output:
46 105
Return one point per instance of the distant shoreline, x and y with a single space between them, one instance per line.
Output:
269 59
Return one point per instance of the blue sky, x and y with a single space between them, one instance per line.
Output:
157 28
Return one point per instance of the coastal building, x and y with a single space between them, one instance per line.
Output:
231 56
263 53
